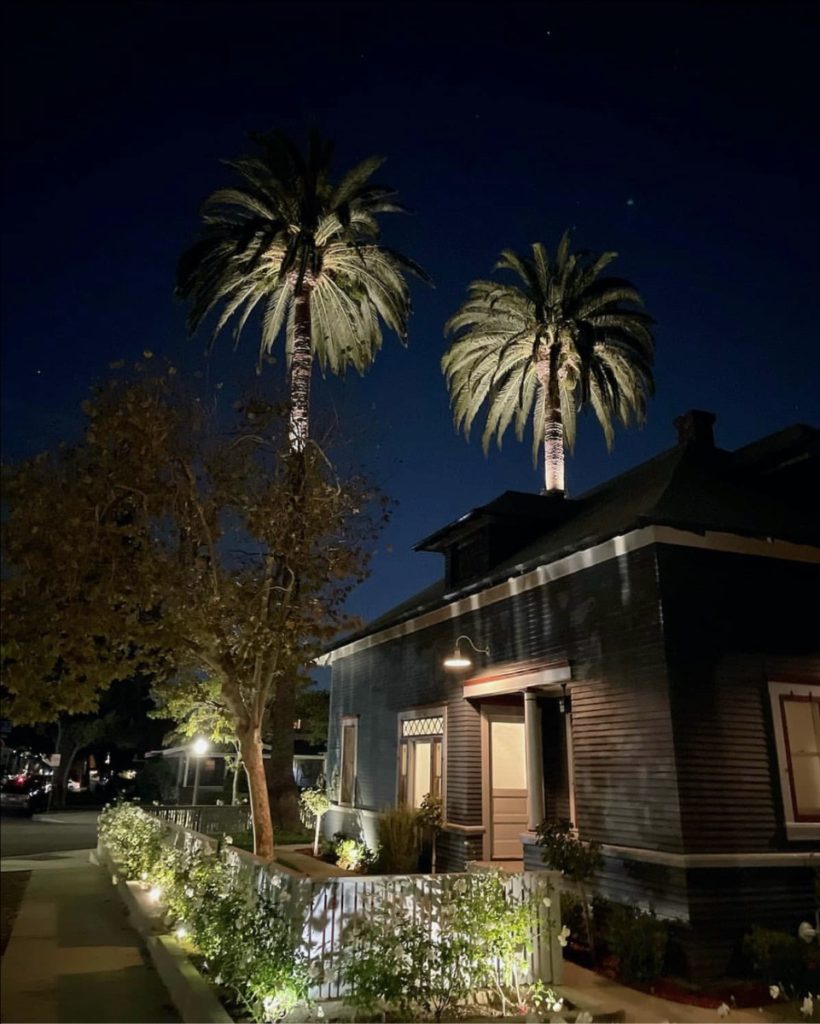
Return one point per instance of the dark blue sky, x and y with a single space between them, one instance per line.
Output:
684 136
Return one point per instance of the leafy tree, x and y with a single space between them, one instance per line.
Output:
305 253
195 703
191 542
559 338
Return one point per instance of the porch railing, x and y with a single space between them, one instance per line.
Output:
207 819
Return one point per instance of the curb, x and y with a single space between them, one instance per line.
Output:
192 995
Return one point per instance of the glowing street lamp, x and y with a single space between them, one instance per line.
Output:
457 660
198 748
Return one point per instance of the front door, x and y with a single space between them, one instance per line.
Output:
506 780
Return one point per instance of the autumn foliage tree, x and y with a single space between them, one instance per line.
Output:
164 543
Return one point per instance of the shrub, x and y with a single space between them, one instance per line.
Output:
354 855
470 935
577 860
781 959
133 837
398 841
638 940
250 942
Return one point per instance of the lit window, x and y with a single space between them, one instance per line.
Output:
347 775
421 757
796 719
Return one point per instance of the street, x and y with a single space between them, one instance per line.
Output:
47 833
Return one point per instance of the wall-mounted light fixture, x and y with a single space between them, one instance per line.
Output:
458 660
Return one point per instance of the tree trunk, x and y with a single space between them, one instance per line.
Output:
237 767
553 426
60 783
282 789
300 367
250 745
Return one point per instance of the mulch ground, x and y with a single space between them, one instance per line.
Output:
12 887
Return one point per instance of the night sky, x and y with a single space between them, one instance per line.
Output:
683 136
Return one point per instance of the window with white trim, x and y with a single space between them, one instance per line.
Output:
348 759
421 755
796 720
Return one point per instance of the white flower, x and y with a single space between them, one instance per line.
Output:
563 935
189 892
807 1006
228 840
774 991
557 1006
547 901
723 1010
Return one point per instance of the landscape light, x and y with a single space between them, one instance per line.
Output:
199 746
181 932
154 893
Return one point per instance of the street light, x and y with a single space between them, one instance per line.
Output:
198 748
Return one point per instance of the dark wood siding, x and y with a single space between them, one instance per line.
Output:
606 621
733 623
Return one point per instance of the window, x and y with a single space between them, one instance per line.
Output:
421 756
348 758
796 719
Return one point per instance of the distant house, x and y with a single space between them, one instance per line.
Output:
653 675
215 778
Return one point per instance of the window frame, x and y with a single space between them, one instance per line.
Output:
345 722
405 743
798 827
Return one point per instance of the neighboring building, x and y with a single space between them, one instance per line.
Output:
654 676
215 777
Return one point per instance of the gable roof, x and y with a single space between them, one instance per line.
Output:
692 486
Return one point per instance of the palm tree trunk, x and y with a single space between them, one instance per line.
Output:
300 367
547 371
250 745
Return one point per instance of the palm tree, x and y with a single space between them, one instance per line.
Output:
305 254
559 338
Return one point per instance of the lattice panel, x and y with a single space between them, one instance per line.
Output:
433 726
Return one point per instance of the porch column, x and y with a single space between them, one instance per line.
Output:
535 760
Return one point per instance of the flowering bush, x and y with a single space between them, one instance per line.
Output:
471 935
354 855
249 942
132 836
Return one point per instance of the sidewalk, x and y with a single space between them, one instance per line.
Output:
72 955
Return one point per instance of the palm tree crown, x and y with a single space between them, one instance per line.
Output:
559 338
304 252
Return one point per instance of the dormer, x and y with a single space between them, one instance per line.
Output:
486 536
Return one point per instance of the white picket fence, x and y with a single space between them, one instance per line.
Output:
328 907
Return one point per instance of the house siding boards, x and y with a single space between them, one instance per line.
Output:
754 622
605 620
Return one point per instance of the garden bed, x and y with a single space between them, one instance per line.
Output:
275 945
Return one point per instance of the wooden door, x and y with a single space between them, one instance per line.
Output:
507 782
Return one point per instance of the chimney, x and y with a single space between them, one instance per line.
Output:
695 427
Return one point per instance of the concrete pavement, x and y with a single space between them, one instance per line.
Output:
72 955
47 833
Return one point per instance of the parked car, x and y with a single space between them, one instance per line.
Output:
25 793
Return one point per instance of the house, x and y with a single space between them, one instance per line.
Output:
216 777
652 673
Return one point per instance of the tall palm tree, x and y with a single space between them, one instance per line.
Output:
305 253
560 337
